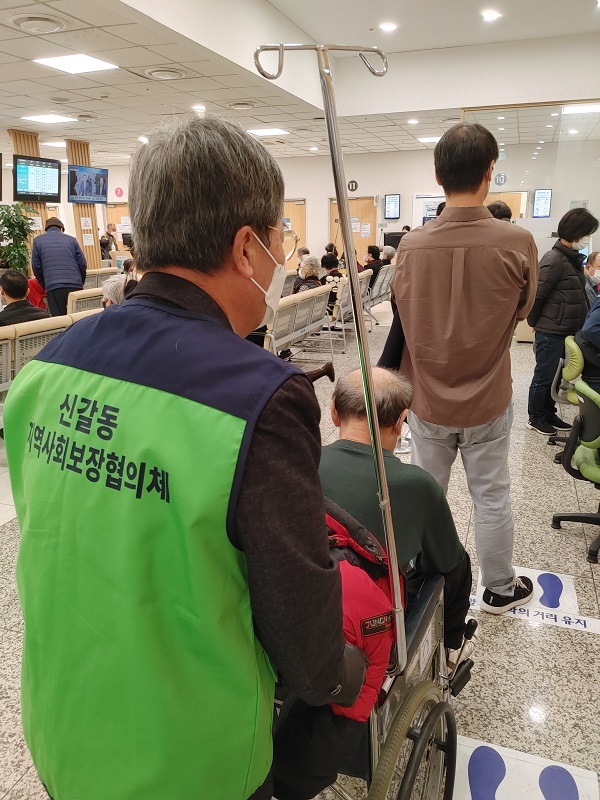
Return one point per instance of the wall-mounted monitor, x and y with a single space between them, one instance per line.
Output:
392 206
542 200
36 180
87 184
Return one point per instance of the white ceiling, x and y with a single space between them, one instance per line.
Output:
530 125
126 103
439 23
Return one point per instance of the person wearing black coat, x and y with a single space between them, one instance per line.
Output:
14 289
560 309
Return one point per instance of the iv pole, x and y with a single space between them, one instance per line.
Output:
333 133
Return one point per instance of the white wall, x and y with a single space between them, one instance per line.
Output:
505 73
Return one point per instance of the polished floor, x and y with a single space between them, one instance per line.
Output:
534 687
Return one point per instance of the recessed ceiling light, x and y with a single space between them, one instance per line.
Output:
75 64
526 170
388 27
538 148
500 129
38 24
199 108
500 117
413 121
8 164
165 74
501 144
533 158
522 182
269 132
53 144
549 126
143 139
490 15
582 108
554 114
241 105
430 139
541 141
313 149
502 150
572 131
64 160
49 119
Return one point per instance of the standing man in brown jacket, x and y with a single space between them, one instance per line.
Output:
462 282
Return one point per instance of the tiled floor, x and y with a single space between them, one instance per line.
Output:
534 687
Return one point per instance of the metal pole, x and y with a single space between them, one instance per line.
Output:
357 307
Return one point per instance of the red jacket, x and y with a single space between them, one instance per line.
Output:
37 293
366 601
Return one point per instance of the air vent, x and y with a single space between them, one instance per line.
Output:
451 120
87 117
58 99
38 25
242 105
164 73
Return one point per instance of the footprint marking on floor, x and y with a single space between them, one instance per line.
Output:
487 770
552 590
557 783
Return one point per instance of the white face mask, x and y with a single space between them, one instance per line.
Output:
273 293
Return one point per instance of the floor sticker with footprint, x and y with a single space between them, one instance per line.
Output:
551 591
488 772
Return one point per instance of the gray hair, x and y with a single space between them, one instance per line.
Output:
196 182
311 266
393 395
389 252
113 289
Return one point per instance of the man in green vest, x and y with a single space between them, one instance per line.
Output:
174 554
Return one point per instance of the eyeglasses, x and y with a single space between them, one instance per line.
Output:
289 240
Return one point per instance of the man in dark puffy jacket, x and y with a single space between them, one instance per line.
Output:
559 311
58 264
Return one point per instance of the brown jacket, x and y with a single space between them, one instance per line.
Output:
462 282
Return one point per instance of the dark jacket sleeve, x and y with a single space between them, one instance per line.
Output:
550 275
295 587
80 258
36 263
591 327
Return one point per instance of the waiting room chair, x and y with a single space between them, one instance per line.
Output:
569 369
581 458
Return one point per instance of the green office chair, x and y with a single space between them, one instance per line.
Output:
582 451
569 369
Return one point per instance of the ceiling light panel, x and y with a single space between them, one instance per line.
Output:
77 64
49 119
268 132
388 27
582 108
490 15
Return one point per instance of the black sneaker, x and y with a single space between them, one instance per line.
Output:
542 427
498 603
559 423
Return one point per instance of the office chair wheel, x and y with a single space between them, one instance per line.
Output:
418 759
556 525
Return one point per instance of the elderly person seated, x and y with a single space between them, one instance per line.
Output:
308 275
14 290
113 291
388 254
426 538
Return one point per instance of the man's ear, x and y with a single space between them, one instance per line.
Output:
335 417
242 251
400 423
437 179
490 171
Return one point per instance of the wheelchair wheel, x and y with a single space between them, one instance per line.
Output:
418 759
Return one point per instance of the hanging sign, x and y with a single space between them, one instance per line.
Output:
352 186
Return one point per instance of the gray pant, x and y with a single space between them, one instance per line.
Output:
484 452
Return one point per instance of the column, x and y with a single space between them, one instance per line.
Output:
79 153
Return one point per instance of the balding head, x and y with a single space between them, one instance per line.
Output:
393 396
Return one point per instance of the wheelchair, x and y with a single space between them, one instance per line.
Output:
409 751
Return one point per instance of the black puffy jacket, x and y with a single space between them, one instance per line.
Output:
561 303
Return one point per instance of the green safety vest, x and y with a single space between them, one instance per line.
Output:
142 673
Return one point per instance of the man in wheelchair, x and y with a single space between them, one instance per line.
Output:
426 539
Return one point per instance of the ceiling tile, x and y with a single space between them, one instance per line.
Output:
33 47
86 40
73 82
140 34
93 13
129 57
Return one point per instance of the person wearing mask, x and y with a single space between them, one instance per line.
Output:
59 265
109 242
309 275
560 309
388 255
14 290
500 210
591 279
462 386
184 605
332 278
301 252
373 261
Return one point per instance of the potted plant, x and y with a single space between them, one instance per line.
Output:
15 227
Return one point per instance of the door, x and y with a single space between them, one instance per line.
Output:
114 212
364 225
295 212
516 201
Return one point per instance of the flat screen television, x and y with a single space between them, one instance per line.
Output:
87 184
36 180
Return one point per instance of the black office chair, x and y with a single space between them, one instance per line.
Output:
582 451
